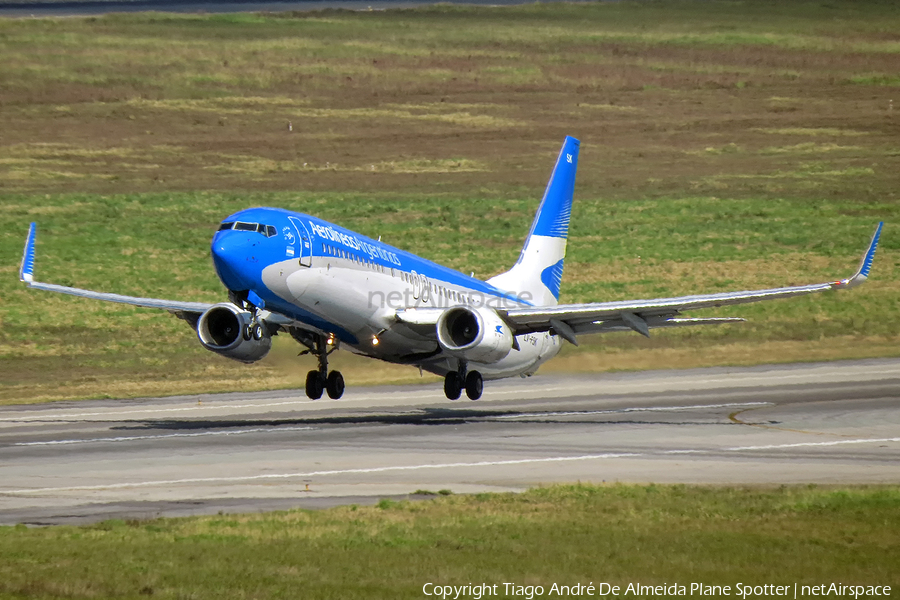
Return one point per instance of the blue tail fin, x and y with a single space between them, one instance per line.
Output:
537 274
552 218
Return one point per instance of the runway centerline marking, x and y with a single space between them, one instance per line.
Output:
162 436
523 461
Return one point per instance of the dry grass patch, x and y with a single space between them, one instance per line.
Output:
812 131
809 148
448 165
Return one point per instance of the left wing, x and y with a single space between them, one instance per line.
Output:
190 311
569 320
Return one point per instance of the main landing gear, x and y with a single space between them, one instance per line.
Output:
321 380
456 381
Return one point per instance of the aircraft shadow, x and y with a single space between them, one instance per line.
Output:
428 416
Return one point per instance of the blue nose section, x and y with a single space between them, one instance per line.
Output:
234 256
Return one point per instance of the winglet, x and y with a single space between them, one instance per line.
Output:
26 271
866 264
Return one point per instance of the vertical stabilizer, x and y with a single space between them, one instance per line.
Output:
537 274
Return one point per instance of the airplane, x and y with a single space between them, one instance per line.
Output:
330 288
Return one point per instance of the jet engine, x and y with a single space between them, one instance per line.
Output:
225 329
474 334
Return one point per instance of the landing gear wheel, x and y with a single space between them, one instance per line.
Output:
335 385
452 385
256 331
474 385
315 384
245 332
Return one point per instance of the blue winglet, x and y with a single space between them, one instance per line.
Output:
866 264
26 271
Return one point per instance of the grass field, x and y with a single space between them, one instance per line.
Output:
564 534
725 146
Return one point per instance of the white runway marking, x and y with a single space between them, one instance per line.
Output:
152 411
493 463
162 437
628 410
801 444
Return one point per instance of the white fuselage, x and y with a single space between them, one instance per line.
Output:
364 297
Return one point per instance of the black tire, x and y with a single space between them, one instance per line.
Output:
474 385
452 385
335 385
245 332
315 385
256 331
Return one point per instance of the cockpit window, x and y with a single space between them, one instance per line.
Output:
266 230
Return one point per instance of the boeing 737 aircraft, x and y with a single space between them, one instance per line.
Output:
329 288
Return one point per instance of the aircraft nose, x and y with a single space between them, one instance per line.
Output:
234 260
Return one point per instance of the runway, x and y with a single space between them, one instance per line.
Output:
77 462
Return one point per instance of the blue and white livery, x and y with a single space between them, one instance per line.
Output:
329 288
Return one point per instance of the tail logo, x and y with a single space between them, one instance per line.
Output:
569 158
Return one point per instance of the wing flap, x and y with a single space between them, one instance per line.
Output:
616 325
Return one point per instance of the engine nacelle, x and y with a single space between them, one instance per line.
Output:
475 334
224 330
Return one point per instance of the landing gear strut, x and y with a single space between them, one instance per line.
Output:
321 380
456 381
254 329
